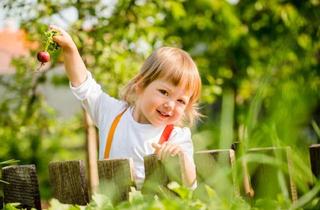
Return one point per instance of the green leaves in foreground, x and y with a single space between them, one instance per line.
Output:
4 163
183 199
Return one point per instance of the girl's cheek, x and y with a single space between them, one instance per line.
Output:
179 113
181 110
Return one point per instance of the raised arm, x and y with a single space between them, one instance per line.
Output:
74 65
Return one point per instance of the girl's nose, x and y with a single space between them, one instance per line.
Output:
169 104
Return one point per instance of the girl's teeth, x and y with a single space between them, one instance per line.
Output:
164 114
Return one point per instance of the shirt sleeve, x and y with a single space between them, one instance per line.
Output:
182 137
98 104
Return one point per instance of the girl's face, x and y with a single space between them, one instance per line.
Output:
160 103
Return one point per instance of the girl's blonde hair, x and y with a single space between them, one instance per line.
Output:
174 65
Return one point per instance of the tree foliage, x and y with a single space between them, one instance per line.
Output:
265 54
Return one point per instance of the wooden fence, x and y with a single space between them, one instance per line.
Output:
70 184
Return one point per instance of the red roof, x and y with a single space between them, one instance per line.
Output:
13 43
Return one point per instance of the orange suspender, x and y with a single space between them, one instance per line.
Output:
111 133
164 136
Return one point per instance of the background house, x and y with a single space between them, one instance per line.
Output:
13 43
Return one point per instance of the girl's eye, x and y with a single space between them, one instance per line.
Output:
163 92
182 102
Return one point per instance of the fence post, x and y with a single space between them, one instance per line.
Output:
115 178
212 165
91 149
1 191
1 202
314 152
158 174
267 175
69 183
22 186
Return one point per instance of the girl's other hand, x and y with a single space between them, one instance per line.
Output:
167 149
63 39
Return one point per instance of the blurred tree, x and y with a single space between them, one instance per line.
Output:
251 45
265 54
113 38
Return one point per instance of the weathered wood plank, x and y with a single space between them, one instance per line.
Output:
155 174
314 153
270 172
1 202
212 167
69 183
115 178
1 191
158 174
23 186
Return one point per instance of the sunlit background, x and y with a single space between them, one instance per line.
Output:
259 62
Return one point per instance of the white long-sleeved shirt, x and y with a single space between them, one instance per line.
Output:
131 139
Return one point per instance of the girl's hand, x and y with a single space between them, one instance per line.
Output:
188 171
167 149
75 68
63 39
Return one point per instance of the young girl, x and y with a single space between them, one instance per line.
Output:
163 94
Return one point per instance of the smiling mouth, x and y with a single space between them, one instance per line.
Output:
163 114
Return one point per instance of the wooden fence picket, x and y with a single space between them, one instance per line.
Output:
68 179
22 186
209 164
314 152
159 174
271 174
115 178
267 170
